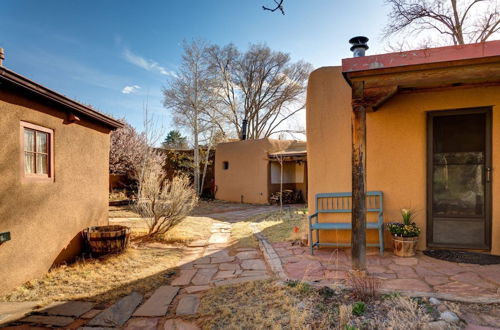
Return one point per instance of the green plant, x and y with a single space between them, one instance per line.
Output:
358 308
392 295
350 327
407 228
408 215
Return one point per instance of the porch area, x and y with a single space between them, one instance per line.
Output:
418 276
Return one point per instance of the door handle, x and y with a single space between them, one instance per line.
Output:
488 174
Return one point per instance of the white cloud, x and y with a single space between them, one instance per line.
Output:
146 64
130 89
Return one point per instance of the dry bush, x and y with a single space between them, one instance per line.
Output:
363 286
403 313
345 315
162 202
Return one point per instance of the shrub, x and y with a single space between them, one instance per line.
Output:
162 202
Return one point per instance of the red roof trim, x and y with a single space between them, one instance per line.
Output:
423 56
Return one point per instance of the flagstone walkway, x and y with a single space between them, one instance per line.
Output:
205 264
420 274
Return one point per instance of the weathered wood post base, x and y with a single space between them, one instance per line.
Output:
358 178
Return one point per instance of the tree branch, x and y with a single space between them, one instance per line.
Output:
279 6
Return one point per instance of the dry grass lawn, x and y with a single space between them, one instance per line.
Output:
188 230
122 211
276 226
253 305
103 279
140 268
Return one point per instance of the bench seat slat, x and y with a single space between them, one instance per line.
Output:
340 225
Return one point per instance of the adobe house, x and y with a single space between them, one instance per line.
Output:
250 171
53 176
421 126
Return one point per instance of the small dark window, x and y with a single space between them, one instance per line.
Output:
225 165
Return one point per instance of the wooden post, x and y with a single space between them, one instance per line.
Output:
358 125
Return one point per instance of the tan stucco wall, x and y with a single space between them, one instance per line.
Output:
248 171
396 146
45 218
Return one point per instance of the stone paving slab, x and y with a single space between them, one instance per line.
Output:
185 277
229 266
253 264
69 308
188 304
203 276
142 324
197 288
119 313
157 304
247 255
56 321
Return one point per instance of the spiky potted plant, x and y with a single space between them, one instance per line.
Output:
405 234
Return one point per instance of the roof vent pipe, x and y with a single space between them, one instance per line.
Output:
2 56
244 129
359 46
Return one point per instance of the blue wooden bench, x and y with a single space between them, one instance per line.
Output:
342 203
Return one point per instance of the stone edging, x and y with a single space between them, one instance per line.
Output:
269 253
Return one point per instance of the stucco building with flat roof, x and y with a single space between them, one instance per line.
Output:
432 140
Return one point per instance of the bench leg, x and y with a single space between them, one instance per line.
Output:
311 245
381 240
317 238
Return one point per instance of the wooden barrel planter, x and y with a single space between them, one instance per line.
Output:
106 239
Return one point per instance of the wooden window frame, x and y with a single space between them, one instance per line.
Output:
49 177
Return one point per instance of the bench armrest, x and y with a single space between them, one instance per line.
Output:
315 215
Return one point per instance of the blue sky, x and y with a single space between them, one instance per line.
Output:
118 55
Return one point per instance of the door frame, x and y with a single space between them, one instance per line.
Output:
487 110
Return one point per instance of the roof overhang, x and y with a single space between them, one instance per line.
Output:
288 156
16 80
385 75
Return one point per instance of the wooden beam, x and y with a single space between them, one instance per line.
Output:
358 125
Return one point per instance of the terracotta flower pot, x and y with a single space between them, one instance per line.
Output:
404 246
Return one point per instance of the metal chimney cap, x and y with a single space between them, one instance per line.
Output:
359 42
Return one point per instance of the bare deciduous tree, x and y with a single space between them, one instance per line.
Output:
262 86
189 95
459 21
161 202
126 150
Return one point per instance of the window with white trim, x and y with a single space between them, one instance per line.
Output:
37 151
